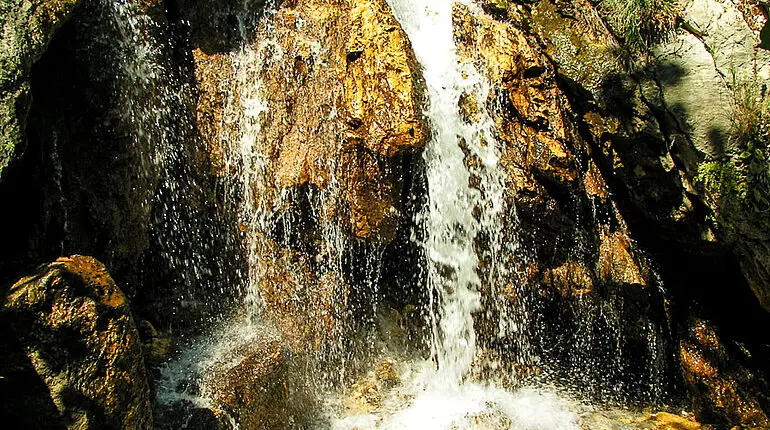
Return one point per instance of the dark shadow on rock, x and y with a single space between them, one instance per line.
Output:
668 73
718 142
616 92
764 36
25 400
646 192
220 26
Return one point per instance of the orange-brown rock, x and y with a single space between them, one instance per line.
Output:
250 384
76 329
333 97
723 391
213 78
569 279
617 262
308 306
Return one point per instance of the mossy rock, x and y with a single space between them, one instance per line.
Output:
27 27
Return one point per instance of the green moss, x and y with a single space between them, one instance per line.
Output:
27 27
738 185
720 178
641 23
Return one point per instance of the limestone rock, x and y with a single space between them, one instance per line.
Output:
714 58
27 26
619 110
76 329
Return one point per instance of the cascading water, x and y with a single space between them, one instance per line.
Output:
460 235
464 207
457 212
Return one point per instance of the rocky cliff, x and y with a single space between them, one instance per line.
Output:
273 151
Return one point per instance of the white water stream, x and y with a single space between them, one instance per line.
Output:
457 214
464 207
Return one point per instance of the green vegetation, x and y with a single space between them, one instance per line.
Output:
750 138
641 23
723 184
750 114
740 182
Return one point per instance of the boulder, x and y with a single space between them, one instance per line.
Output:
76 331
250 384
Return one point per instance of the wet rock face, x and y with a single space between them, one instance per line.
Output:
27 26
340 99
579 252
250 384
553 180
110 159
725 391
71 328
659 131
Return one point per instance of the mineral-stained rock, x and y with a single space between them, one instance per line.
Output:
309 307
332 99
569 279
27 26
547 161
212 75
75 328
579 245
724 391
250 383
616 260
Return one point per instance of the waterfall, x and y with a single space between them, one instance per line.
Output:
457 211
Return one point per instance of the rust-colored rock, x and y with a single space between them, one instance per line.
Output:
616 260
75 326
724 391
569 279
334 103
213 77
309 307
250 384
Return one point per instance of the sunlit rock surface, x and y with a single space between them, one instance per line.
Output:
250 383
76 333
725 391
338 107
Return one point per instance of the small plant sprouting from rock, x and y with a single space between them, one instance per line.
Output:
750 114
740 181
641 23
750 139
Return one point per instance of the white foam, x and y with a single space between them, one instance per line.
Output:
426 402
